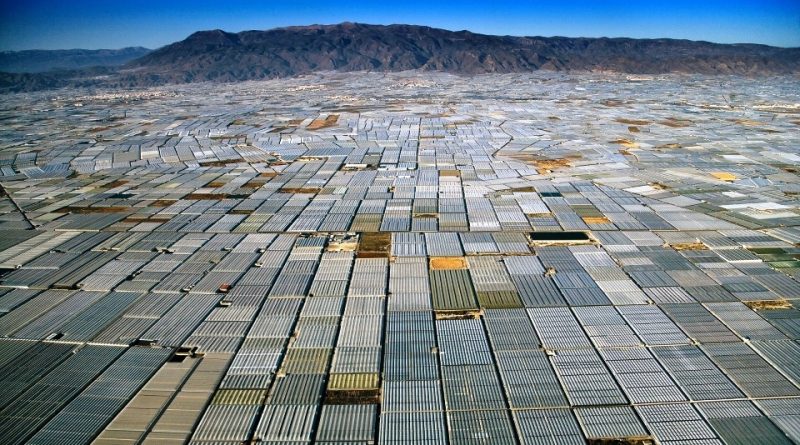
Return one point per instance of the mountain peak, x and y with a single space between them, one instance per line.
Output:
214 36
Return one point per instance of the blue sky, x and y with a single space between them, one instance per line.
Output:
59 24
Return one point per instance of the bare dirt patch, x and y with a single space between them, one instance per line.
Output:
300 190
596 220
374 245
319 123
627 143
632 121
689 246
448 263
676 123
766 305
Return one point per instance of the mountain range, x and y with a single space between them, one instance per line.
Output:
228 57
37 61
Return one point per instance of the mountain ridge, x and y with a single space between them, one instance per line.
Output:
220 56
38 60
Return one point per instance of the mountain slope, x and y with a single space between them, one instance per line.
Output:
37 61
217 55
227 57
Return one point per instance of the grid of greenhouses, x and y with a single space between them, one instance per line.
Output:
409 258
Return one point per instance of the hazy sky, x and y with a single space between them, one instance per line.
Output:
59 24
